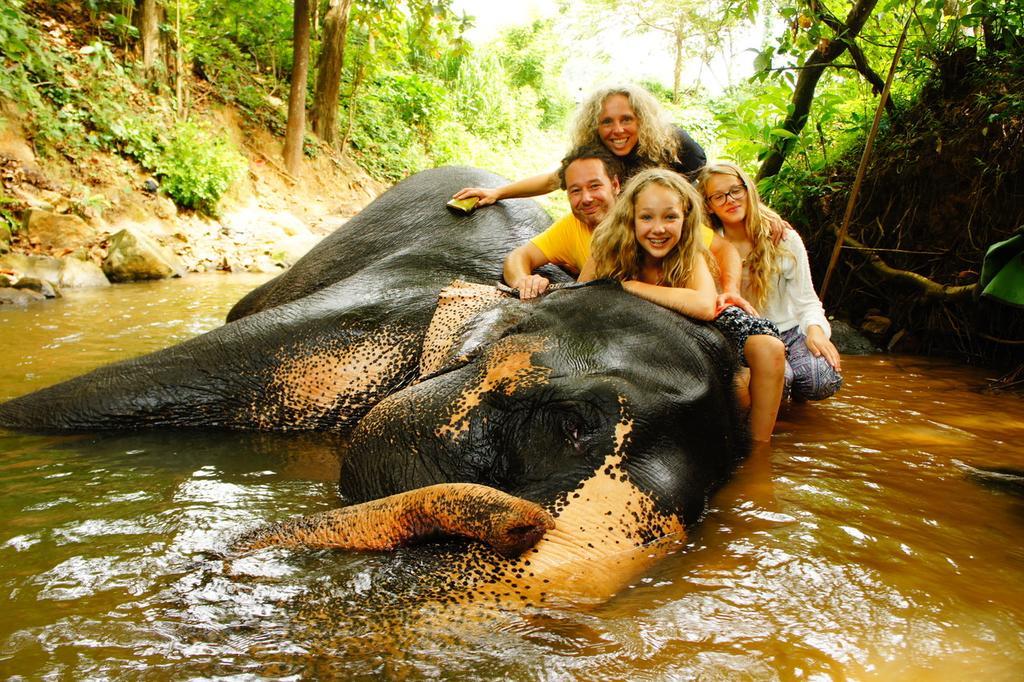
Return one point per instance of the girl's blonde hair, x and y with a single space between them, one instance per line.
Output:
761 261
614 247
656 139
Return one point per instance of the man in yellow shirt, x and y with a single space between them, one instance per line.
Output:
590 177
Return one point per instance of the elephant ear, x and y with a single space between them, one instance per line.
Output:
468 317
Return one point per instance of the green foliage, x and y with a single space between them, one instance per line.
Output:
9 222
420 95
197 167
84 100
260 29
659 90
30 70
531 60
844 103
121 27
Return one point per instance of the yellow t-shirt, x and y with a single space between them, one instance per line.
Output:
707 234
567 242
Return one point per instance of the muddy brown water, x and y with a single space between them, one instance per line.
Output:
856 548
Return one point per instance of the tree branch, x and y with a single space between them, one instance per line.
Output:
650 24
930 290
780 69
860 60
803 93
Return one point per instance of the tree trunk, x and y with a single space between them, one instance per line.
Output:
149 33
677 69
297 98
328 76
179 67
929 289
356 82
803 94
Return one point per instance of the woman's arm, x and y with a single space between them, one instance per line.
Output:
587 274
799 289
730 265
730 268
777 225
696 299
544 183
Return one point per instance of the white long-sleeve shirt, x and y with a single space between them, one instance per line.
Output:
791 299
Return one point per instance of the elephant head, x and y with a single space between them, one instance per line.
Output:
614 416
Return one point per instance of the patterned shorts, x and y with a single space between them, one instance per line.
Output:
808 377
737 325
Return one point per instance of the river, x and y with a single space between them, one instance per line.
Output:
856 548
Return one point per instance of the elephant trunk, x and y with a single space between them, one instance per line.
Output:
509 524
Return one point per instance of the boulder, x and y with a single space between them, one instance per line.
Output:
849 341
164 208
255 224
40 267
18 297
133 256
41 286
79 274
5 237
56 230
876 328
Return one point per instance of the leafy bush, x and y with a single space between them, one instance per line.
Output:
29 73
196 168
9 221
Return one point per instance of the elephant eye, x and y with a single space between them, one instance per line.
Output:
571 429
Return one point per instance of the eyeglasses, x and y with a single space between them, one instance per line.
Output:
736 193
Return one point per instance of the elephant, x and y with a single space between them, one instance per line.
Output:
577 436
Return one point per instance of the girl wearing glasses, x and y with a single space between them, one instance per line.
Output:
655 242
776 280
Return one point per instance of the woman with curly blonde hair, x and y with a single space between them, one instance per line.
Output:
655 241
776 279
631 124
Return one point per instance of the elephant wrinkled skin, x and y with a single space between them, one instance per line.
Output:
591 425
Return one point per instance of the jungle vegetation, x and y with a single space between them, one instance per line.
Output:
397 87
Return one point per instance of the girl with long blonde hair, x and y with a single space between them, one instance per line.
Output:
651 242
655 242
776 280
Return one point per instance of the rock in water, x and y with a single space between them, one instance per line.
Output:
133 256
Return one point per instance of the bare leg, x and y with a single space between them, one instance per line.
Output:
766 357
741 384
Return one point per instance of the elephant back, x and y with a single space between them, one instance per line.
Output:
412 239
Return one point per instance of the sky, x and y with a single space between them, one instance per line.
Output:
493 15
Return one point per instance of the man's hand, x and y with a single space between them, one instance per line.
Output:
820 346
732 298
486 196
531 286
